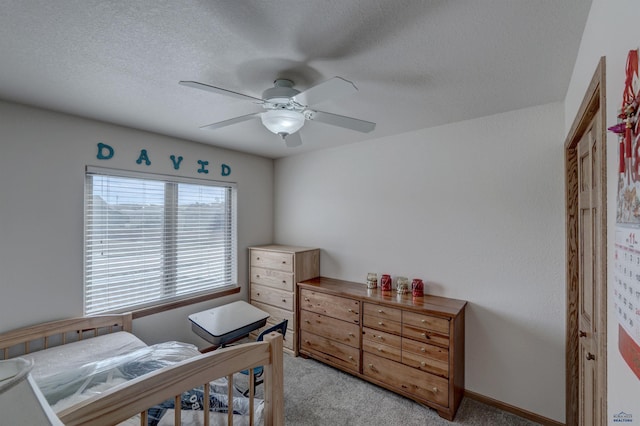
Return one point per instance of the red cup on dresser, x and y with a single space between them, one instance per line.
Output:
385 282
417 287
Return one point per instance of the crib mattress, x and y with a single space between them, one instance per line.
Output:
72 355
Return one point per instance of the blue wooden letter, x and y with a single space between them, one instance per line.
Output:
202 166
176 164
101 155
143 157
226 170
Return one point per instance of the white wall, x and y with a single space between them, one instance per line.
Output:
42 163
473 208
613 28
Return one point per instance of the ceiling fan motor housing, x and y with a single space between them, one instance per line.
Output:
280 96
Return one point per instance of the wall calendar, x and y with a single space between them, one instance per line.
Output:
626 294
626 291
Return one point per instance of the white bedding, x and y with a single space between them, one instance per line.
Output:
77 371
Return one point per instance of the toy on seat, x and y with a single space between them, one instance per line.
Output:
258 371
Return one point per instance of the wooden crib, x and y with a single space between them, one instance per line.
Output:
134 397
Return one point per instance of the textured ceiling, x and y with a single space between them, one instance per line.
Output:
416 64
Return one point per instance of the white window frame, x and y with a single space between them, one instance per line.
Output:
96 296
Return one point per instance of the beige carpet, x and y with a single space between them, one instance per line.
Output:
317 395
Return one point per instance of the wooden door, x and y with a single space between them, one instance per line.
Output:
586 233
590 280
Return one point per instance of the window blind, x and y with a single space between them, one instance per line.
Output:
152 239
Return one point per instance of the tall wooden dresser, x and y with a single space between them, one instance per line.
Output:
411 346
274 272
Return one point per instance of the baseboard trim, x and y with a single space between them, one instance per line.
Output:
511 409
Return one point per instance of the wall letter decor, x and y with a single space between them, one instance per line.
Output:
202 166
106 152
143 157
101 155
176 164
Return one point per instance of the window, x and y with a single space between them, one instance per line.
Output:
153 239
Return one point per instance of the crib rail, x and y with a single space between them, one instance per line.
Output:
42 336
136 396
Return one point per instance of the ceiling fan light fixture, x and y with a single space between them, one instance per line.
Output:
282 121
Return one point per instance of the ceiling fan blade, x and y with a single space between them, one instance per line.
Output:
231 121
293 140
218 90
333 88
342 121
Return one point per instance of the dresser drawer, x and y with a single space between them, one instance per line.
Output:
380 349
429 358
272 296
322 325
272 278
425 336
277 314
330 350
425 350
382 324
272 260
428 322
328 304
407 379
384 312
381 337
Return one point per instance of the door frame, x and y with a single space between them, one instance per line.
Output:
593 104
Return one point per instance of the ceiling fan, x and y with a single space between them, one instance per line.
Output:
287 109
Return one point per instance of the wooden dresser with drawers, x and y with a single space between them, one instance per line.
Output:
274 271
411 346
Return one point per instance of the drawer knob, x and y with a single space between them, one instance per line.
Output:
380 311
379 323
423 321
435 390
379 349
284 281
425 335
422 363
257 294
372 367
380 337
307 321
307 342
257 276
350 310
257 258
284 261
423 350
306 299
350 357
284 300
352 335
